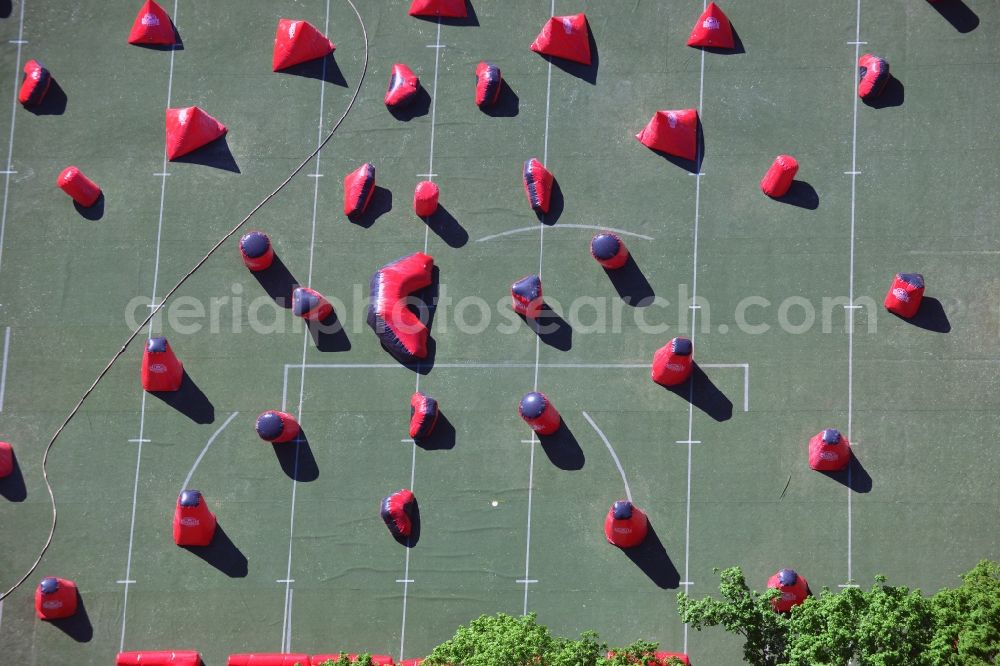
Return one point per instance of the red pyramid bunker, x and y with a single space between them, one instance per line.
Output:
194 523
190 128
152 26
403 87
674 132
161 369
55 599
441 8
297 42
794 590
526 295
829 451
625 525
565 37
712 29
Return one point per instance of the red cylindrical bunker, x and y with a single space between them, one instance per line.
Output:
277 427
609 250
905 294
538 412
625 525
194 522
256 250
672 363
269 659
55 598
6 459
425 198
778 179
83 190
158 658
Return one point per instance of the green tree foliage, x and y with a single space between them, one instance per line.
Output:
968 619
342 660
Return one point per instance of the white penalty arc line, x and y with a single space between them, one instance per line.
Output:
205 450
611 450
565 226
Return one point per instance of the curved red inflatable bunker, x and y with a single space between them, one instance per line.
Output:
526 296
194 522
673 362
829 451
537 185
83 190
625 525
161 370
609 250
377 659
403 87
256 250
488 84
152 26
674 132
565 37
778 179
425 198
397 512
34 85
277 427
712 29
55 598
158 658
794 590
873 76
310 304
401 331
423 415
269 659
6 459
359 186
297 42
661 658
189 129
442 8
539 413
905 294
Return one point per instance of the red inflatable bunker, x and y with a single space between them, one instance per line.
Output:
539 413
712 29
794 590
310 304
377 659
161 370
526 295
905 294
537 185
565 37
359 186
412 662
674 132
425 198
189 129
83 190
829 451
488 83
625 525
194 523
401 331
423 415
269 659
661 658
297 42
158 658
277 427
778 179
34 85
256 250
873 76
6 459
55 598
442 8
609 250
672 363
152 26
403 87
397 512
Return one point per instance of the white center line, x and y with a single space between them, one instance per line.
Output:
13 117
3 370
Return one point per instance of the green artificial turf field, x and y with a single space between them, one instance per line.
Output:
507 523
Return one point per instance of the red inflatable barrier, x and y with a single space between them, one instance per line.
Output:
442 8
778 179
873 76
539 413
625 525
402 88
423 415
359 186
537 185
277 427
794 590
488 84
609 250
34 85
397 512
412 662
297 42
905 294
829 451
6 459
672 132
425 198
152 26
399 329
55 598
673 362
310 304
256 250
194 523
158 658
269 659
189 129
660 658
83 190
161 370
565 37
712 29
377 659
526 295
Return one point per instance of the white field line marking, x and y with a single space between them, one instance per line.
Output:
125 582
694 317
201 455
8 171
13 117
142 406
286 626
565 226
850 312
143 439
427 231
611 450
1 613
3 370
527 546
